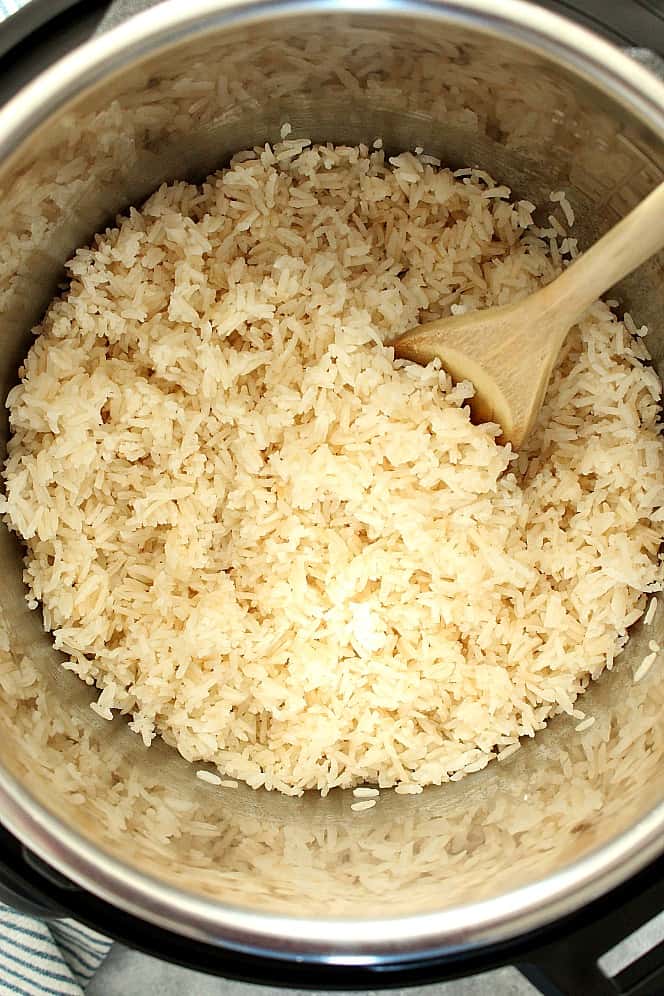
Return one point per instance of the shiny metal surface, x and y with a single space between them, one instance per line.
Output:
541 104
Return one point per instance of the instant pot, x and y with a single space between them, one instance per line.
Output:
545 860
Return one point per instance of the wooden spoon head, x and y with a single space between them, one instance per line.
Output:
506 354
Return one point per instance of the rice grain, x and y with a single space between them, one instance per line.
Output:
361 807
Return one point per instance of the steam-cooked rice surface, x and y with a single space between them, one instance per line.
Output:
283 551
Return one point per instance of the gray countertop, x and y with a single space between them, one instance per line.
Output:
128 973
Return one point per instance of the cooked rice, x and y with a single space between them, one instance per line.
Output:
644 666
360 807
650 611
364 792
209 777
585 724
408 788
288 554
560 197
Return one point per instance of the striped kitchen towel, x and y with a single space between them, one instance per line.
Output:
57 958
8 7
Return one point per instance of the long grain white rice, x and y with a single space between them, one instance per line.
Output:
650 611
361 807
560 197
291 556
644 666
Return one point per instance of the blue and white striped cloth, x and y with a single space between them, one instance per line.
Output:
8 7
57 958
60 957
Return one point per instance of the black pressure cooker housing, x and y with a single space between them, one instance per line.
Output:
561 960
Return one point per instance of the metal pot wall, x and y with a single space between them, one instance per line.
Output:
463 868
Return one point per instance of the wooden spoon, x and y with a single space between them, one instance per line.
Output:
508 352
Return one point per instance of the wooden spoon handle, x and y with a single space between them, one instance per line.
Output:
639 235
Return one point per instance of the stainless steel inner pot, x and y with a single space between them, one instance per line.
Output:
542 105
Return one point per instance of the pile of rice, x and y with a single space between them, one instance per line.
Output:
289 555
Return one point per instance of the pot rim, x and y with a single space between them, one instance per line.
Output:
330 941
